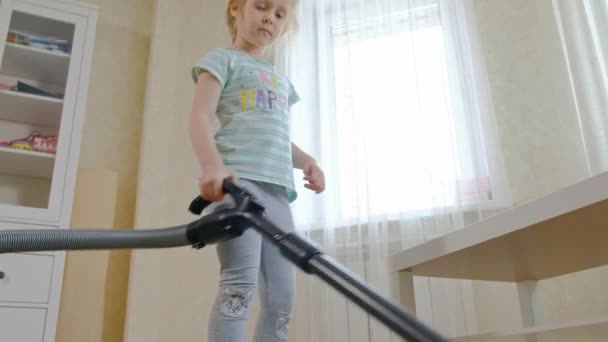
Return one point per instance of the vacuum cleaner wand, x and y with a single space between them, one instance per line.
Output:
231 223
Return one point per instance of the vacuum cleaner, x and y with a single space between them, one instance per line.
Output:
221 226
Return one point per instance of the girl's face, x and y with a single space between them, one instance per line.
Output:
260 22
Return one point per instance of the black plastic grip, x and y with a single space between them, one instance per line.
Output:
199 204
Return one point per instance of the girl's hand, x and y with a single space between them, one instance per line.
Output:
212 181
314 176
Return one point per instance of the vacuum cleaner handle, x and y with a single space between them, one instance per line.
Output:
199 204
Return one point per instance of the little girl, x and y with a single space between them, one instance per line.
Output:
251 99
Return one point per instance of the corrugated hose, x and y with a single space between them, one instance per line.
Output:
37 240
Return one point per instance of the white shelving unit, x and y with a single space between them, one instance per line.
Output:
36 188
26 163
562 233
36 64
30 109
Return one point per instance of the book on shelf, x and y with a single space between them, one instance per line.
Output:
38 41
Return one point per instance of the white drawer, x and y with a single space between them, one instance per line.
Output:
4 224
22 324
27 278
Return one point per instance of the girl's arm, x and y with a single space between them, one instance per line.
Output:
300 158
206 98
312 172
204 107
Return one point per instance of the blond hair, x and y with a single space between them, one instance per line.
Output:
292 21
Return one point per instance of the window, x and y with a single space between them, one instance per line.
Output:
397 122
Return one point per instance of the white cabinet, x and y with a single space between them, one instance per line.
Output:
26 278
46 50
22 324
45 60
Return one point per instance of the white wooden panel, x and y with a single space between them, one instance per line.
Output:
31 109
597 326
21 324
5 6
9 224
560 233
26 163
27 278
35 64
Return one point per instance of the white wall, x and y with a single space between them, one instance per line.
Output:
171 291
541 143
113 124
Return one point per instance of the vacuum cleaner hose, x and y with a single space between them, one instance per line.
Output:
38 240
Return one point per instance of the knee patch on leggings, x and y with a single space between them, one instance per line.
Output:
283 326
235 301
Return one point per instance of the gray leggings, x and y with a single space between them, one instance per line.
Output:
244 261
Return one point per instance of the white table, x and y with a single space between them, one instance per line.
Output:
564 232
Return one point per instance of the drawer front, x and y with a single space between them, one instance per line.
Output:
7 224
26 278
22 324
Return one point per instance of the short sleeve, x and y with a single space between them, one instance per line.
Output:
293 95
216 62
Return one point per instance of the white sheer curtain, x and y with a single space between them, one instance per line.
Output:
583 29
395 108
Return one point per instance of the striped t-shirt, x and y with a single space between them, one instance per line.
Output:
253 110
